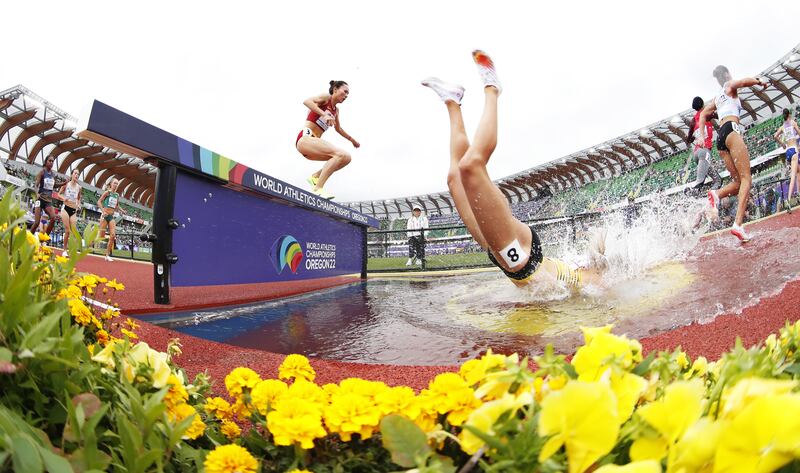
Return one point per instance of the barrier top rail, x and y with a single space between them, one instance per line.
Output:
110 127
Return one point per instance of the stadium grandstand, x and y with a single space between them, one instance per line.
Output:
33 129
651 162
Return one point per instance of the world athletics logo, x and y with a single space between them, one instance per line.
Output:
286 251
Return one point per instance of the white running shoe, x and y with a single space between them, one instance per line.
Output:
65 253
487 70
409 262
108 258
419 262
322 193
738 232
446 92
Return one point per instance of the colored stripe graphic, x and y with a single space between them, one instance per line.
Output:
286 251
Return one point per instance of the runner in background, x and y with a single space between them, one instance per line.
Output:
71 194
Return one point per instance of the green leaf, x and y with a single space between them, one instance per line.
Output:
54 463
5 354
404 440
642 368
25 454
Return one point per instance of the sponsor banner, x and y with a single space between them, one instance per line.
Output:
252 179
111 127
232 237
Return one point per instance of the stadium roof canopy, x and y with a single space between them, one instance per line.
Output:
638 148
33 129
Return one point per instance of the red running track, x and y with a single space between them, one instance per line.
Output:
712 339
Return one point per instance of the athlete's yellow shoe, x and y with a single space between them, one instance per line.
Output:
313 180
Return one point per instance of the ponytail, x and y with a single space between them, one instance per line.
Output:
335 84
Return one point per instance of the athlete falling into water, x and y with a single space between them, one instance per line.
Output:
512 246
324 113
730 144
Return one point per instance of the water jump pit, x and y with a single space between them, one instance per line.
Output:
718 291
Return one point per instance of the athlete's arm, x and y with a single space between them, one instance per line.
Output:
313 104
708 110
39 178
100 202
796 129
777 135
737 84
344 134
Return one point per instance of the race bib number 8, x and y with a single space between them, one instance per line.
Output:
513 254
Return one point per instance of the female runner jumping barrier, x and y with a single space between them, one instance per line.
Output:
730 144
512 246
324 113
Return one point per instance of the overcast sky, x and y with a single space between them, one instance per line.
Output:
232 76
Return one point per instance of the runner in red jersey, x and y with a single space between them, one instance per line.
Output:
702 148
324 113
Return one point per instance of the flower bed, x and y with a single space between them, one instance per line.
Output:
80 393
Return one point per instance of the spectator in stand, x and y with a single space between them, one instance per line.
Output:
631 211
702 148
45 183
71 193
416 237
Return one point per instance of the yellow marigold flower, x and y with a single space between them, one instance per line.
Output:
177 392
131 323
484 417
648 466
696 449
330 389
682 360
240 409
266 393
142 354
61 259
103 337
398 400
302 389
44 237
699 368
82 314
218 407
299 471
90 347
31 238
764 436
362 387
296 367
582 417
230 459
129 334
604 351
183 411
648 448
230 430
108 314
628 388
680 407
450 394
749 389
117 286
240 379
295 421
350 414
